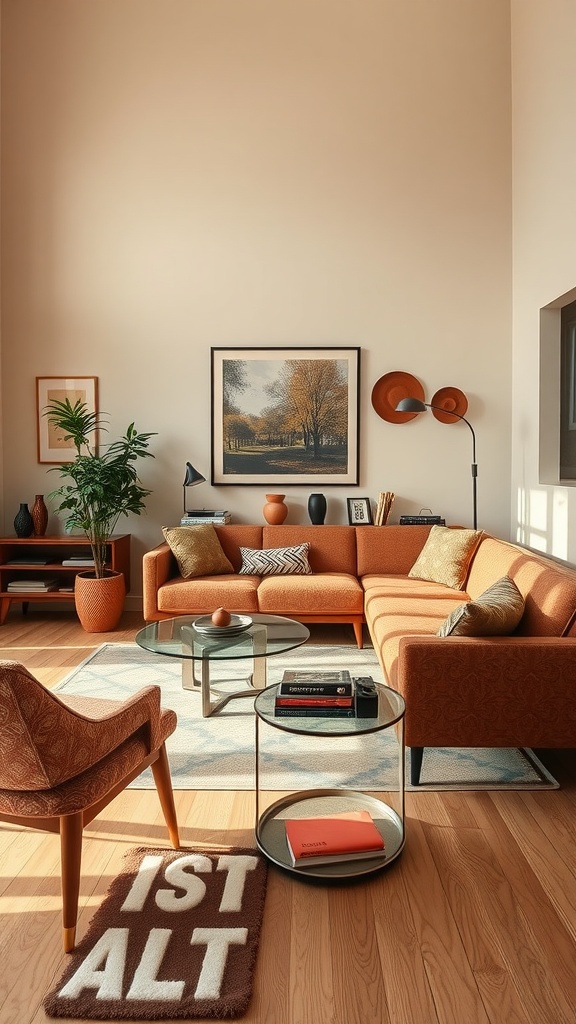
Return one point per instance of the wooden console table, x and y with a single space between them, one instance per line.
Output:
38 558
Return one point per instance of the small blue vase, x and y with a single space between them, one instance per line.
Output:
23 522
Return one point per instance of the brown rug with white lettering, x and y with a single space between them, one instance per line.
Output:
176 937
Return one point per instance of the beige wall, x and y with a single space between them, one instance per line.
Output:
544 159
181 174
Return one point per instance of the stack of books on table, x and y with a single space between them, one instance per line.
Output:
330 839
31 586
311 694
203 515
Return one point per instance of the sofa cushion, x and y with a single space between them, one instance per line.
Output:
332 548
291 561
496 612
197 550
446 556
322 593
201 595
391 551
391 616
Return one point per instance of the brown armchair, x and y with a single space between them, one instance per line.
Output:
64 758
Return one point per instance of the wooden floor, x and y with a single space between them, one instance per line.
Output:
475 923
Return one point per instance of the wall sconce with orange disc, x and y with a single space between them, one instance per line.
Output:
446 401
389 391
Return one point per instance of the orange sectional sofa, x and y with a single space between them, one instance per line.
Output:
460 691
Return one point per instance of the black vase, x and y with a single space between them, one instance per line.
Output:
23 522
317 509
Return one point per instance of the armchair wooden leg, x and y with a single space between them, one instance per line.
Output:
163 780
70 855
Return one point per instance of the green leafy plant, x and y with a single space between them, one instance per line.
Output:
105 484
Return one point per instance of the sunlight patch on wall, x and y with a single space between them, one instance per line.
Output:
542 520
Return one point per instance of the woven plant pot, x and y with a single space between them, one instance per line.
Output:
99 602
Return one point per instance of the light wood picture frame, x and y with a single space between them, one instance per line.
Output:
52 447
284 416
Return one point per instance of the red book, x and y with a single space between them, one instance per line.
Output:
314 702
351 835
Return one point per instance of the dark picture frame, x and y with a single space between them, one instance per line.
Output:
359 511
285 416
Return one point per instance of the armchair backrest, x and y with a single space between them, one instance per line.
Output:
31 720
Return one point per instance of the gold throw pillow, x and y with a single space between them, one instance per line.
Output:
446 556
197 550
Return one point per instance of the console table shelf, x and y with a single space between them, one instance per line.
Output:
20 558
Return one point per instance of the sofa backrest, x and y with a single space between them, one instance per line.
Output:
548 587
332 548
234 536
389 549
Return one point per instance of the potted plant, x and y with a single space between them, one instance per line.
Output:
104 486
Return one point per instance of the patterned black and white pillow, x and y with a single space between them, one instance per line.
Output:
291 561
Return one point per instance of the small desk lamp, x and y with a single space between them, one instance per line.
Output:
191 478
415 405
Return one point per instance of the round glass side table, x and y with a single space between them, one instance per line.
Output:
386 809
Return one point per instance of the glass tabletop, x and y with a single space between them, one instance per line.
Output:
391 709
177 638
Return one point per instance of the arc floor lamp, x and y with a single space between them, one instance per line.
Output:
415 405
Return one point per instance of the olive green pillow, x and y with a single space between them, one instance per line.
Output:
197 550
446 556
496 612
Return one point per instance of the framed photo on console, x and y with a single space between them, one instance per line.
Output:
285 416
359 511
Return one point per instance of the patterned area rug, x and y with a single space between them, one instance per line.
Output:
218 752
176 937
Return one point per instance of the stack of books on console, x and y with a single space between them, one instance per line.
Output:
31 586
79 561
315 694
330 839
204 515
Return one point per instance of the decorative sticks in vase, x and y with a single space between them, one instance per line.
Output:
383 508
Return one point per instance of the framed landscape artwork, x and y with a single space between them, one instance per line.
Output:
285 415
52 446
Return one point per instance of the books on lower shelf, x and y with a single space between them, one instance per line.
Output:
31 586
330 839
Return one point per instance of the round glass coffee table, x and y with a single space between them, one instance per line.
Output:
264 636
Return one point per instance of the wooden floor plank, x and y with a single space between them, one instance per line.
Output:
406 983
474 924
450 976
513 969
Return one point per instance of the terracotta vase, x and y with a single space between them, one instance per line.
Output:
39 516
275 510
99 602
